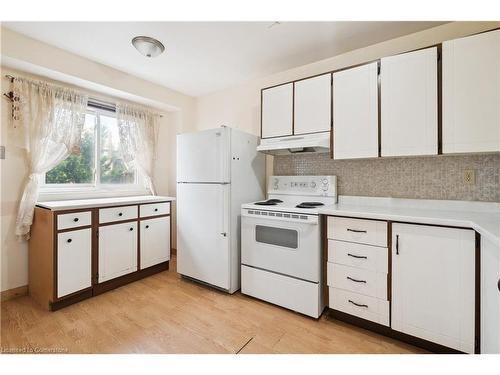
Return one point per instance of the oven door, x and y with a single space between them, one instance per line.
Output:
285 246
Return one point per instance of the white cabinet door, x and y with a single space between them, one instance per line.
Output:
490 297
117 250
312 104
277 111
409 103
155 241
355 113
433 284
471 93
74 261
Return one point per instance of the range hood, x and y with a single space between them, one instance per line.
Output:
296 144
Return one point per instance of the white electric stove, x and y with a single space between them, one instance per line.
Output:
281 250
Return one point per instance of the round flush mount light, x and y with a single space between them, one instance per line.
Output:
147 46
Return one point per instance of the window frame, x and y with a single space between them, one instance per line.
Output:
96 188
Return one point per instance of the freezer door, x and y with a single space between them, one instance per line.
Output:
204 156
203 233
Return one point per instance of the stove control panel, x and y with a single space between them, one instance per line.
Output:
303 185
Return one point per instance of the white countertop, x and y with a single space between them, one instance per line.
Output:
483 217
101 202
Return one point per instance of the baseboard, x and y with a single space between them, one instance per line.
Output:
14 293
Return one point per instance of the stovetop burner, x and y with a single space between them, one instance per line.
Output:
309 204
269 202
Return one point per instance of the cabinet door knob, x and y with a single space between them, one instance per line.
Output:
120 214
498 285
69 240
131 228
156 210
75 219
147 226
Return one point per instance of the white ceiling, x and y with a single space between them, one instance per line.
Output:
202 57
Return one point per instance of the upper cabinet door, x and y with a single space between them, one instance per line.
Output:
277 111
409 110
471 93
312 105
355 112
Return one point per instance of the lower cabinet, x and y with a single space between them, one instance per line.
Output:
155 241
117 250
74 261
433 284
490 297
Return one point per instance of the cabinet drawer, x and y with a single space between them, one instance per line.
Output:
369 308
74 261
154 209
73 220
367 257
370 232
108 215
357 280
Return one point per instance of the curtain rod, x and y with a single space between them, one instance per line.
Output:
96 103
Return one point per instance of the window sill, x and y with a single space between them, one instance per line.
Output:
56 194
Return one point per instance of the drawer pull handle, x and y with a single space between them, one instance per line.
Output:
498 285
147 226
75 219
356 281
356 230
397 244
358 304
357 256
131 229
120 214
69 240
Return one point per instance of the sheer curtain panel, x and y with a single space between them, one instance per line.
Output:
51 118
138 129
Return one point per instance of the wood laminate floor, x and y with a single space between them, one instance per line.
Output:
165 313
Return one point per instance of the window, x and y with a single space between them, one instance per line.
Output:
99 165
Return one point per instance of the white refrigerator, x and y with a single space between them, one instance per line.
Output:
217 171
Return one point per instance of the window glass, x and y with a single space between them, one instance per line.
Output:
277 236
78 169
112 167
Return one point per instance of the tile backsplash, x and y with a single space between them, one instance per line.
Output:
429 177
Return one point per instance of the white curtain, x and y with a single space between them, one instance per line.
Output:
52 119
138 129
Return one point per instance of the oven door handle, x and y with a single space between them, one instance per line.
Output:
311 219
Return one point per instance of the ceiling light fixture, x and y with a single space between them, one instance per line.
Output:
147 46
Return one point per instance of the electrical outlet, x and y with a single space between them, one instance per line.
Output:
470 177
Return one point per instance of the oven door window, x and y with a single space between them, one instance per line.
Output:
277 236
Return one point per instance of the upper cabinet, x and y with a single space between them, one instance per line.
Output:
277 111
355 114
409 100
471 94
312 104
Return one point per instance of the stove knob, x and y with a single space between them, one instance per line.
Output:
313 184
325 187
325 181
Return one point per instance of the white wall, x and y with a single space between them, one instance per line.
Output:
27 57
